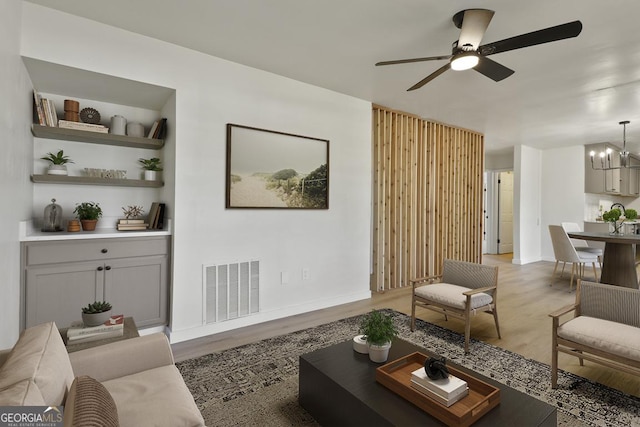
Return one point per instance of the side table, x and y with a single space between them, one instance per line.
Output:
130 331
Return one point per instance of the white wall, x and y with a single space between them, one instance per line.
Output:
563 197
332 244
15 165
526 205
499 161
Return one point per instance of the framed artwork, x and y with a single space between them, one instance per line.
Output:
267 169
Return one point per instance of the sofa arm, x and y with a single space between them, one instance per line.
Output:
123 358
3 356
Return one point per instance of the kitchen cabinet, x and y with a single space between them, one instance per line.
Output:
62 276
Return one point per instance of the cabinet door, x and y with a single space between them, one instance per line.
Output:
137 287
593 178
633 184
59 292
612 182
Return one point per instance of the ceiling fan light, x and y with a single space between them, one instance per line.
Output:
464 61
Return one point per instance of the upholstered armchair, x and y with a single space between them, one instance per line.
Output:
463 289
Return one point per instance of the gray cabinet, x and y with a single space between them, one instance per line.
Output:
60 277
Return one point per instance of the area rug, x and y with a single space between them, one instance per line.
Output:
257 384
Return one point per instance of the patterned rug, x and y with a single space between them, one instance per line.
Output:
257 384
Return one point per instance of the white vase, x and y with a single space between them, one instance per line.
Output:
57 170
379 353
150 175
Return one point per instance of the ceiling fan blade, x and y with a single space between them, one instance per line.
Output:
430 77
405 61
474 25
551 34
492 69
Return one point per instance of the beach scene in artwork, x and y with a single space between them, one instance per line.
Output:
274 170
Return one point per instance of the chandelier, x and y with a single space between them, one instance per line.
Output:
605 156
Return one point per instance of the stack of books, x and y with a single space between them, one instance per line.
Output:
44 111
78 333
156 216
445 391
132 224
82 126
158 129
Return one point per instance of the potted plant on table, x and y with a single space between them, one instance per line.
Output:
616 221
58 163
379 331
88 214
151 168
96 313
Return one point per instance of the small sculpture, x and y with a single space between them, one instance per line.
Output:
436 368
132 212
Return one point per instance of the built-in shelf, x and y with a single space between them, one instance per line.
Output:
87 180
95 137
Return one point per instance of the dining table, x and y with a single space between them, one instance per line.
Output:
619 257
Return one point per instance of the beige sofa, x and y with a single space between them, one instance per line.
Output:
132 382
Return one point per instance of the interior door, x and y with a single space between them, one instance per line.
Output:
505 213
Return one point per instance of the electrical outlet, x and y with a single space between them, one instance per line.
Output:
305 274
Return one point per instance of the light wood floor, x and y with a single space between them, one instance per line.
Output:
524 301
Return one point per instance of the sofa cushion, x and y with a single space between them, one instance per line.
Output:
451 295
40 356
155 397
89 404
612 337
22 393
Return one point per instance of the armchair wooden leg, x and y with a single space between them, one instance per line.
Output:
413 314
467 324
554 355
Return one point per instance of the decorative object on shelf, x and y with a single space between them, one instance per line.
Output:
96 313
151 168
133 212
380 331
616 221
71 110
88 213
90 115
275 170
360 344
73 225
58 163
106 173
135 129
52 220
118 125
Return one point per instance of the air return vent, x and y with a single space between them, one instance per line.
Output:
231 290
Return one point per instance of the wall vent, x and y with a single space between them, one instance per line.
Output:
231 290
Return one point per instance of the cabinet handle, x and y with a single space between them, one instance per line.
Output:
104 251
108 267
100 268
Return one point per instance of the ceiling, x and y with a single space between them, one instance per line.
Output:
569 92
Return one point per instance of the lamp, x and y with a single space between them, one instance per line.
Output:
605 156
464 60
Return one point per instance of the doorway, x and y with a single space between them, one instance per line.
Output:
498 212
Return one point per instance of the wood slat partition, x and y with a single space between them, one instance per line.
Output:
427 197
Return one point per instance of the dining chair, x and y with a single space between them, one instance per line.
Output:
565 252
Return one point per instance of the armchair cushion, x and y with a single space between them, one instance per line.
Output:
22 393
452 295
40 356
156 397
89 404
611 337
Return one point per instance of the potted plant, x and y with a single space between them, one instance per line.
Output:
615 219
88 214
631 214
96 313
151 167
58 163
380 331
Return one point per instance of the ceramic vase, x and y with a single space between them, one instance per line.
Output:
89 224
95 319
150 175
57 170
379 353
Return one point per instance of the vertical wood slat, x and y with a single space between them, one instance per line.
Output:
427 197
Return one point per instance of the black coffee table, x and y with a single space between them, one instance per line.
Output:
338 388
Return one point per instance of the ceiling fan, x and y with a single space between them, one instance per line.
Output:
467 53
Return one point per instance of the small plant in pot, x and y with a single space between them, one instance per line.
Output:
58 163
151 168
96 313
379 331
88 214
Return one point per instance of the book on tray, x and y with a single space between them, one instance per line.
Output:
445 388
446 401
95 337
77 329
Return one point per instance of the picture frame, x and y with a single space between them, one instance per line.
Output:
269 169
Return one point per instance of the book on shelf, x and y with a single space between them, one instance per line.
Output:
82 126
442 400
38 112
160 219
46 108
152 131
95 337
77 329
159 131
445 388
54 114
129 227
153 211
131 221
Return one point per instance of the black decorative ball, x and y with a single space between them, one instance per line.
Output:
436 368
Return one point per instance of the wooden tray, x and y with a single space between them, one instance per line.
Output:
482 397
